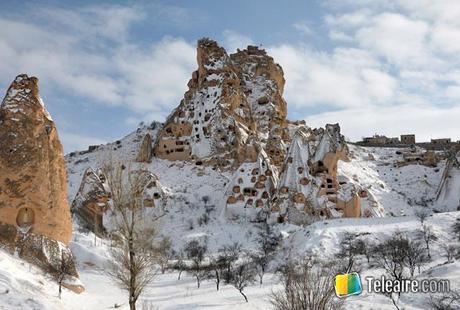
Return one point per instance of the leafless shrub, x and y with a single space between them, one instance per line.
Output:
242 275
307 285
164 253
229 254
196 253
448 301
428 236
456 228
268 242
449 251
422 215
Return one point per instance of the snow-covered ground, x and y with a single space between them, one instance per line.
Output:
398 191
29 288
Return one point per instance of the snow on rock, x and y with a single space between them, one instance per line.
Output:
251 189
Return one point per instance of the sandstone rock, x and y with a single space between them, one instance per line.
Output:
231 101
34 213
145 149
251 189
92 201
296 184
153 194
33 187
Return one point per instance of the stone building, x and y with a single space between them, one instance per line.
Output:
442 141
408 139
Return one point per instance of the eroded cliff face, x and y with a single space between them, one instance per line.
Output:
233 104
33 187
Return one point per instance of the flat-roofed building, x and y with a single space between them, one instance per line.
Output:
408 139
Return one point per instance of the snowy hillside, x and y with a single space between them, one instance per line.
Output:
29 288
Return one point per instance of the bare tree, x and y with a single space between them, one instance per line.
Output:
449 251
268 242
428 236
196 253
217 269
350 247
399 256
65 268
242 276
307 285
415 255
133 259
164 253
229 254
446 301
422 215
179 264
456 228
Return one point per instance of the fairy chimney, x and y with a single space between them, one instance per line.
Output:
33 186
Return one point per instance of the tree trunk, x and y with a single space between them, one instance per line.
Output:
132 272
132 304
60 289
245 298
198 281
180 272
217 279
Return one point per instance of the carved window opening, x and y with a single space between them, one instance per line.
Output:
25 217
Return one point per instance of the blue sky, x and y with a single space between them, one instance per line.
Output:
372 65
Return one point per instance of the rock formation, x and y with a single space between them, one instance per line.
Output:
145 149
33 187
263 84
252 189
92 201
153 194
234 116
231 100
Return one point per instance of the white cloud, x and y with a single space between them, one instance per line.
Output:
426 121
303 27
151 79
397 38
155 80
344 78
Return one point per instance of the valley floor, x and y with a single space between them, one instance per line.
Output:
25 287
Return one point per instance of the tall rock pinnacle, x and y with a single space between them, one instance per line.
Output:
33 187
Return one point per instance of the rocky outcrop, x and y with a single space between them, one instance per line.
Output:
152 193
231 101
145 149
263 84
297 187
92 201
309 188
233 112
33 187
